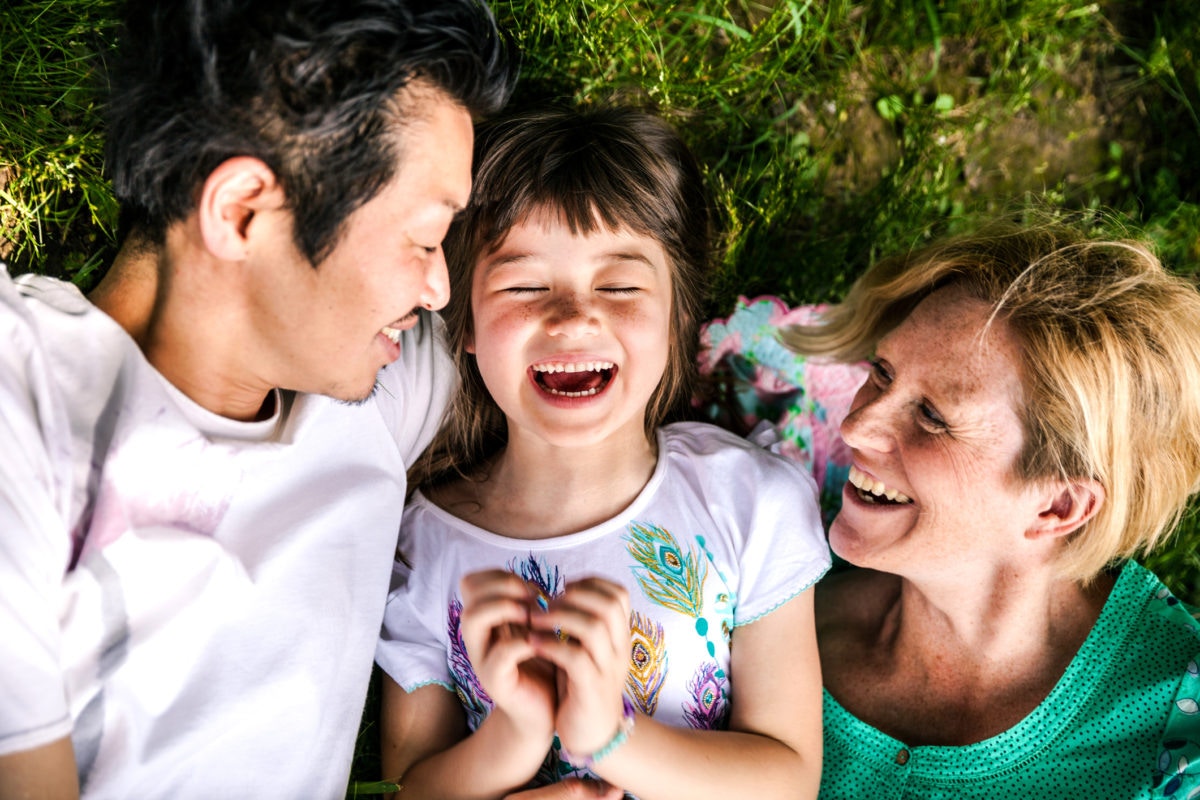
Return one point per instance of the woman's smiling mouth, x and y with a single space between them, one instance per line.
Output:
875 492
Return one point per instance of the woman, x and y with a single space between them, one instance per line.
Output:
1031 418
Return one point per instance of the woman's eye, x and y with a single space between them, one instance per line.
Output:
879 372
524 289
931 417
620 290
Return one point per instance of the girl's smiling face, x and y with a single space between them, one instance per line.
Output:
571 330
935 434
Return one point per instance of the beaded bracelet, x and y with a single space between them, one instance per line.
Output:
618 738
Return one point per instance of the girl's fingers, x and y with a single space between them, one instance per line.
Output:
495 607
595 613
479 586
495 620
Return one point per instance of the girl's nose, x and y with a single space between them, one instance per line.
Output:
571 315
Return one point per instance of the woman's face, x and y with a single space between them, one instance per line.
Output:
935 428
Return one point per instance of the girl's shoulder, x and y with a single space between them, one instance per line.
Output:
720 454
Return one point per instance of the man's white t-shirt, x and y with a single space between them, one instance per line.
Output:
194 601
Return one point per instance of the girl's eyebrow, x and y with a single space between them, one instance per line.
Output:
629 255
502 259
494 262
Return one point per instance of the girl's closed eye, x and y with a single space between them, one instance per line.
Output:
620 290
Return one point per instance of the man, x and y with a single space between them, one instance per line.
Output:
202 470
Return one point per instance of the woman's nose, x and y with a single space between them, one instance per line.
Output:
869 425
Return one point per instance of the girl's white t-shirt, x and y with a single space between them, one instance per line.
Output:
722 534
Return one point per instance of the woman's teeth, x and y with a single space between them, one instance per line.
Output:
391 333
874 491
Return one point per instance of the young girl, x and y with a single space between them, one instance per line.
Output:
579 583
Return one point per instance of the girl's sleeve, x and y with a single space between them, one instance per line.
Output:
783 550
413 641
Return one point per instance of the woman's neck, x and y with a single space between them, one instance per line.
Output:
953 662
1007 616
536 491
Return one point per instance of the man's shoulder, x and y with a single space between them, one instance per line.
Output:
46 309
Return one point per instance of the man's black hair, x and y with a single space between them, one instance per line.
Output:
310 87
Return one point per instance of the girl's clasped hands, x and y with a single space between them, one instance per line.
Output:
551 665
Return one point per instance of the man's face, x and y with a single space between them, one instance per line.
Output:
331 329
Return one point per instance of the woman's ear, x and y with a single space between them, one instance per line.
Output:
232 195
1068 506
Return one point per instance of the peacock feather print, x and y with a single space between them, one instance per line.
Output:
668 576
707 708
470 693
647 663
548 580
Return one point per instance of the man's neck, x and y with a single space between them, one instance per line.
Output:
129 289
190 343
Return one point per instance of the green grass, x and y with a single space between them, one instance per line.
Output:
56 208
832 131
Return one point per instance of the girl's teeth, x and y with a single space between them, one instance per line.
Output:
588 393
586 366
392 334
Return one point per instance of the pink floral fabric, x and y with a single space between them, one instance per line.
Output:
795 405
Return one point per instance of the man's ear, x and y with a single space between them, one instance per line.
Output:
1068 506
234 193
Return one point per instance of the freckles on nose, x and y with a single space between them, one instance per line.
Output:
567 307
865 427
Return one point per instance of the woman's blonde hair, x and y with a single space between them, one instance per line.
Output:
612 168
1110 361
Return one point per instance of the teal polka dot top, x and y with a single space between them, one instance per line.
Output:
1123 722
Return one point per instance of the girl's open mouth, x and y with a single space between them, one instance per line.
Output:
570 379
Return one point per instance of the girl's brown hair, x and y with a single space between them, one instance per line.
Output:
607 168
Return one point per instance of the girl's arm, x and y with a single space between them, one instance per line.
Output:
773 746
425 740
571 789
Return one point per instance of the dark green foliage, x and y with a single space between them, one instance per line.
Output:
57 213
